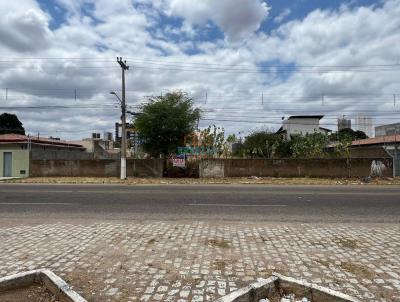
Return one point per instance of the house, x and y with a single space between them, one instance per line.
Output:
101 148
301 125
384 130
17 151
376 146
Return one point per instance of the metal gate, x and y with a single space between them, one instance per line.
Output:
7 164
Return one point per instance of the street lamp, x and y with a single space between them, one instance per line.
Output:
123 135
116 95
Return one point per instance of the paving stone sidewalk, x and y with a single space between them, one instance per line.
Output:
168 261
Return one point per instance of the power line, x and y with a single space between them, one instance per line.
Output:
160 61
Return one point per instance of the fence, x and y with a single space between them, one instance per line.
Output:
338 167
96 168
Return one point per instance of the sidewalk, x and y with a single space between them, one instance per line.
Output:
232 180
163 261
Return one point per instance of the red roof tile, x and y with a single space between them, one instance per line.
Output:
18 138
377 140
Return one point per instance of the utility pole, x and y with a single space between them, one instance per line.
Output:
123 118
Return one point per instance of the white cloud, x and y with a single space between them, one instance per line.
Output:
238 19
282 16
364 36
24 28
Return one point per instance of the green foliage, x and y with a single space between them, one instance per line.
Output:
213 139
9 123
264 144
165 121
343 146
309 146
350 133
344 139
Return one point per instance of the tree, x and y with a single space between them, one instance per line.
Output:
354 135
9 123
263 144
309 146
213 140
165 121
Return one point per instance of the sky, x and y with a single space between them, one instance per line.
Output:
246 63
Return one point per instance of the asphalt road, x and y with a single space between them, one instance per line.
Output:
322 204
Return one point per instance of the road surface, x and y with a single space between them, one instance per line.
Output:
308 204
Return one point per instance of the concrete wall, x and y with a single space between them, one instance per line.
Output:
38 153
20 162
211 168
356 167
95 168
145 167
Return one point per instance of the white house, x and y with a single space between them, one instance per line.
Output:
302 125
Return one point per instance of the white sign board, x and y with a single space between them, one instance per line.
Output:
179 162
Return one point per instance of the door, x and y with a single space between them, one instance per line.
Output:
7 164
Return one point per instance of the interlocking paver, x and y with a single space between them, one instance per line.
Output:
165 261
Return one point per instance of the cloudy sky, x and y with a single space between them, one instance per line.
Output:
246 63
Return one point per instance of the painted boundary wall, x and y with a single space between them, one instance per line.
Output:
96 168
331 168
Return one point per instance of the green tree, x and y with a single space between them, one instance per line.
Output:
309 146
213 140
9 123
354 135
165 121
263 144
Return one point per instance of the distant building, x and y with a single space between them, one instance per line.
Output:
343 123
364 123
17 151
100 148
130 133
391 129
302 125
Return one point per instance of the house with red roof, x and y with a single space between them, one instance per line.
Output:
17 151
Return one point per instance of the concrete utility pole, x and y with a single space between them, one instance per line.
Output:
123 118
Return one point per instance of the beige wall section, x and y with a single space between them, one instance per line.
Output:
20 161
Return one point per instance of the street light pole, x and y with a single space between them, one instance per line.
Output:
123 118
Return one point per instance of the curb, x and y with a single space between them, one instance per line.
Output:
265 287
46 278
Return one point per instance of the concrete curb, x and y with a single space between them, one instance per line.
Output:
266 287
47 278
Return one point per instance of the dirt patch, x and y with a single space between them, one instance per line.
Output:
221 264
151 241
221 243
33 293
357 270
349 243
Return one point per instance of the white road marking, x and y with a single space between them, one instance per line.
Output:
37 203
235 205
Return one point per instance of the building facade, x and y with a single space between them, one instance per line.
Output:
364 123
302 125
384 130
17 151
343 123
